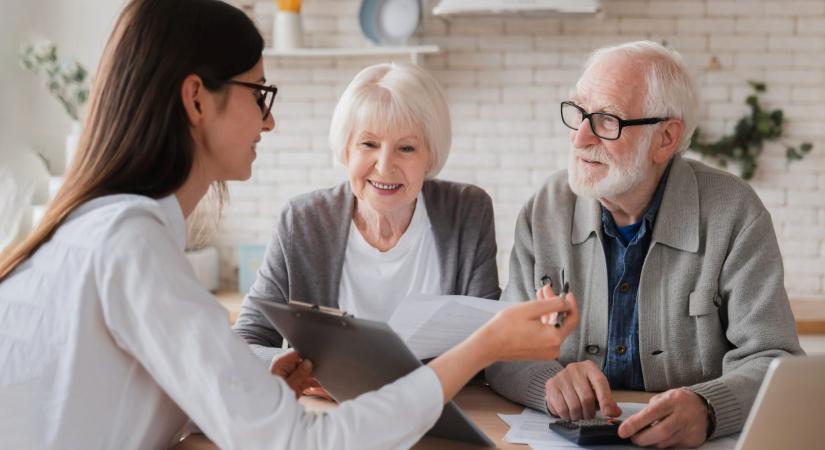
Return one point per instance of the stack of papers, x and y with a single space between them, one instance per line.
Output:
532 428
432 324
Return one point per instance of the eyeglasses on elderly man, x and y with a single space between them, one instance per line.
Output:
604 125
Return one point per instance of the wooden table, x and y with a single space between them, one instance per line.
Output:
232 302
477 401
810 315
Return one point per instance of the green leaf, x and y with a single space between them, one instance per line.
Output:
764 127
777 116
748 168
805 147
757 86
792 155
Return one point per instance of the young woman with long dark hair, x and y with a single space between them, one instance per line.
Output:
106 338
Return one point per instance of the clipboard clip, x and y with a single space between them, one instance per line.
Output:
324 309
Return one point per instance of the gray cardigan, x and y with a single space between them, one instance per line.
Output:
305 257
713 310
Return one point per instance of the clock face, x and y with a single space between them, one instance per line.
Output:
389 22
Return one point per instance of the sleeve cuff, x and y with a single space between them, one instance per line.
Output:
266 354
729 418
536 385
523 381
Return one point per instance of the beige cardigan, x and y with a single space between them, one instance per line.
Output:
713 310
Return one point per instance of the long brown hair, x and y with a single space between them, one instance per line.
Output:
136 139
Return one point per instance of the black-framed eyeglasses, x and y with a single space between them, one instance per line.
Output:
604 125
265 97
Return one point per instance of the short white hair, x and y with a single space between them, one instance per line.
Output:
394 96
671 90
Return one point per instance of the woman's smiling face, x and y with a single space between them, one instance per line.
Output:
387 168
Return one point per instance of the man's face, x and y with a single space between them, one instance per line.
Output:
600 168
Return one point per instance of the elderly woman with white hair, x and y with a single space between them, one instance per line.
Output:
391 230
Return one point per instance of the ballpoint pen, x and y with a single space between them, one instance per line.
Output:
545 281
565 289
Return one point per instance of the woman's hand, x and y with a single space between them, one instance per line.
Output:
521 331
526 331
296 371
318 391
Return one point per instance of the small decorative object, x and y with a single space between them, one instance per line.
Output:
72 140
745 144
204 263
250 258
67 80
201 227
289 32
36 208
389 22
15 196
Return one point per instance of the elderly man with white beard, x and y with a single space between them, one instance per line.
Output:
675 264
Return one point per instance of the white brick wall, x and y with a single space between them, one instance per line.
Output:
505 76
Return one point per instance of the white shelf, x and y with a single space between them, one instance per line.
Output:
517 7
412 51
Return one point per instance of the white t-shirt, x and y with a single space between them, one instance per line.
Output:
373 283
108 341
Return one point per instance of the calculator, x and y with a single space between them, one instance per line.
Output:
590 432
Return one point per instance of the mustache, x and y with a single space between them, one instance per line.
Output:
595 153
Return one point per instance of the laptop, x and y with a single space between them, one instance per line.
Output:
353 356
787 413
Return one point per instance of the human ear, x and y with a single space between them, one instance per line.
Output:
192 94
667 140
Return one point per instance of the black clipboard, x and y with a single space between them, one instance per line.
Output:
352 356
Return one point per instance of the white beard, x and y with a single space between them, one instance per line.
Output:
620 178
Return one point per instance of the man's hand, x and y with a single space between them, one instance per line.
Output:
573 393
674 418
296 371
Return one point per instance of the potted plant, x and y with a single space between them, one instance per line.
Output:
67 80
745 144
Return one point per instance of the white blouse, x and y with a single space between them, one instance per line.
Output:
373 282
108 341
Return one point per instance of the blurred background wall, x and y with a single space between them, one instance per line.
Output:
504 77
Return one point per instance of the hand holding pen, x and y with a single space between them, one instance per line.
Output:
547 292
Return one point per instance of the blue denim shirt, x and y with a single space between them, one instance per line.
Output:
625 249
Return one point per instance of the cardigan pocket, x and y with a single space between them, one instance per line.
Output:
703 308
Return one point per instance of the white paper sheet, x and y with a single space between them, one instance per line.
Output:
532 428
432 324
